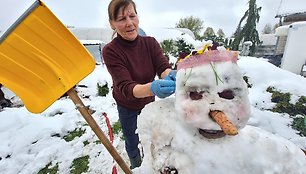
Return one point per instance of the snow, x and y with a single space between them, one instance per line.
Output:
30 141
253 150
179 134
161 34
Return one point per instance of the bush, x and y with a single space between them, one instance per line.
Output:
102 90
175 47
168 47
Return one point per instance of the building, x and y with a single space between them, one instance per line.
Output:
285 20
291 38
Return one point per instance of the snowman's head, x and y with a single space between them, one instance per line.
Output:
211 81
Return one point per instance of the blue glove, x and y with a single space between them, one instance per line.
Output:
171 75
163 88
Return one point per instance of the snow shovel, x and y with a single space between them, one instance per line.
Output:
40 60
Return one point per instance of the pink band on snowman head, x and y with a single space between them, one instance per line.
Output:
207 57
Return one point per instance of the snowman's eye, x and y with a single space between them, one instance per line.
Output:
226 94
196 95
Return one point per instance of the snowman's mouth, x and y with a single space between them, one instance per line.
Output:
211 134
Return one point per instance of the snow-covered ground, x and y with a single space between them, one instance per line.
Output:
31 141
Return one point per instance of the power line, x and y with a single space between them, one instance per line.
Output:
280 4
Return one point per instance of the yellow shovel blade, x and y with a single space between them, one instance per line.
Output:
40 59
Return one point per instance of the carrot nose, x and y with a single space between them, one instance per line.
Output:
226 125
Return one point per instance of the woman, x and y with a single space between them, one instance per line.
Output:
133 62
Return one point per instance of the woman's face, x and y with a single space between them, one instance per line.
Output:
126 23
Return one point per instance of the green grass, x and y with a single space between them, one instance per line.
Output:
297 111
97 142
76 168
86 142
76 133
48 170
79 165
300 125
102 90
116 128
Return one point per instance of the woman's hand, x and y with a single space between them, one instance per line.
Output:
163 88
171 75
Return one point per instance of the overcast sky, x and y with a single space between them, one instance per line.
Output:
224 14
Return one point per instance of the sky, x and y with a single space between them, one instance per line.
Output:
217 14
30 141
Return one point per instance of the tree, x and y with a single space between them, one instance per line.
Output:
248 32
220 33
275 26
192 23
267 29
182 46
220 37
209 34
168 47
172 47
176 48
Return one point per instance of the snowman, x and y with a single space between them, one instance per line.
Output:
203 128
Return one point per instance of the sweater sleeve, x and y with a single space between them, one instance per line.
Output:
160 61
116 66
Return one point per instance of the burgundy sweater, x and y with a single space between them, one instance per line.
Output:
131 63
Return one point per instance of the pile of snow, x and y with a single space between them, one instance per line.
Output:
162 34
183 136
31 141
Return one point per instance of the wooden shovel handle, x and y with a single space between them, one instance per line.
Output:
95 127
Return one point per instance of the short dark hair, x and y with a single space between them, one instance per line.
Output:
115 5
